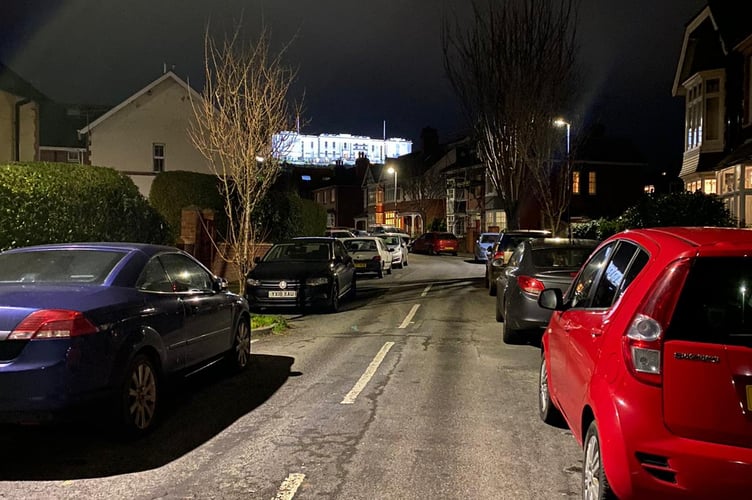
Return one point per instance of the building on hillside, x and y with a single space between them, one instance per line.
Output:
714 76
147 133
326 149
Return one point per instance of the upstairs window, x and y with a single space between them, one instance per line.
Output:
575 183
158 157
704 111
591 183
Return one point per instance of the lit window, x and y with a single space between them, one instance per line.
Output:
650 188
710 186
158 157
575 183
332 195
591 183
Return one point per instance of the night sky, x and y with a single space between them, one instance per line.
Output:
359 63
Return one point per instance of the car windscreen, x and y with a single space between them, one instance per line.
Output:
489 238
307 251
58 266
392 241
715 305
364 245
561 256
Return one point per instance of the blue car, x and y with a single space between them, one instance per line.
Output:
483 244
103 325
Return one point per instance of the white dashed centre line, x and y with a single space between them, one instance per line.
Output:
367 375
425 291
289 486
409 316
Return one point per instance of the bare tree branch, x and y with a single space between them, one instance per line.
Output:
245 103
512 70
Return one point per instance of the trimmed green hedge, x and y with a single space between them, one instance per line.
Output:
173 191
60 203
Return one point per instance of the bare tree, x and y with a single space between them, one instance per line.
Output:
245 103
512 69
421 188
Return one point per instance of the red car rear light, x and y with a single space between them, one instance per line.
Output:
52 324
530 285
643 341
498 255
377 258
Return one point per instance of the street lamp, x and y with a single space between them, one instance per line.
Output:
393 170
561 122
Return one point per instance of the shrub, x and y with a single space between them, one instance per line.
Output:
282 215
173 191
58 202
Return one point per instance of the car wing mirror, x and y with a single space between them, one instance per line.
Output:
220 284
552 299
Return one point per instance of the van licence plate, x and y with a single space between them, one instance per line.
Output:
282 294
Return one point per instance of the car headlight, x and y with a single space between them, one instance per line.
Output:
253 282
317 281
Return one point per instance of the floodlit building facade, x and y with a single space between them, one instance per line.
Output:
326 149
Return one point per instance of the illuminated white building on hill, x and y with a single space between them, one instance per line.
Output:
325 149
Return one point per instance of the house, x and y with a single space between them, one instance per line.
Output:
147 133
407 192
714 76
19 117
342 197
609 174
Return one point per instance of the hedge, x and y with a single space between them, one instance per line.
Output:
61 203
173 191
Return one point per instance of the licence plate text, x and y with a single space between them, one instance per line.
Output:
282 294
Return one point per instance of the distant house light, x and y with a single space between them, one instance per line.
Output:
305 177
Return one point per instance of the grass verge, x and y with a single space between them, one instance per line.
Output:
278 323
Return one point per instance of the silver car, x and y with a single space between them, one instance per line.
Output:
534 266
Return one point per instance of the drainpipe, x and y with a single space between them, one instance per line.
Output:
17 121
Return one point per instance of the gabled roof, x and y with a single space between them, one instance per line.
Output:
711 35
167 76
14 84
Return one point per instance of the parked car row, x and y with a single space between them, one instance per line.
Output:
321 271
645 355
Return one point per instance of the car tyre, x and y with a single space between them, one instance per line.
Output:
139 396
334 299
547 410
239 356
389 269
509 335
594 482
380 273
454 254
492 288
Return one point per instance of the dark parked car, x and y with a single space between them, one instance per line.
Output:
435 242
648 357
502 250
102 325
535 265
312 271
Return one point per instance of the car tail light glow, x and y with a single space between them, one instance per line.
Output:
52 324
530 285
377 258
643 341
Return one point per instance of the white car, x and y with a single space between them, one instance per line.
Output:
396 243
369 255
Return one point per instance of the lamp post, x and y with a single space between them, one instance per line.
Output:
393 170
560 122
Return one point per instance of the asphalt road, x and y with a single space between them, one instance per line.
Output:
407 393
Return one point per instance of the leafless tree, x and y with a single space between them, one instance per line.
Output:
245 103
421 189
512 68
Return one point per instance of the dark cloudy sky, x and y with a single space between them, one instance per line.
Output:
360 62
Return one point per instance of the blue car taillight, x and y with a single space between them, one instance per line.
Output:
52 324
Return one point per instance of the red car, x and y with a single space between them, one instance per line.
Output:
435 242
648 358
